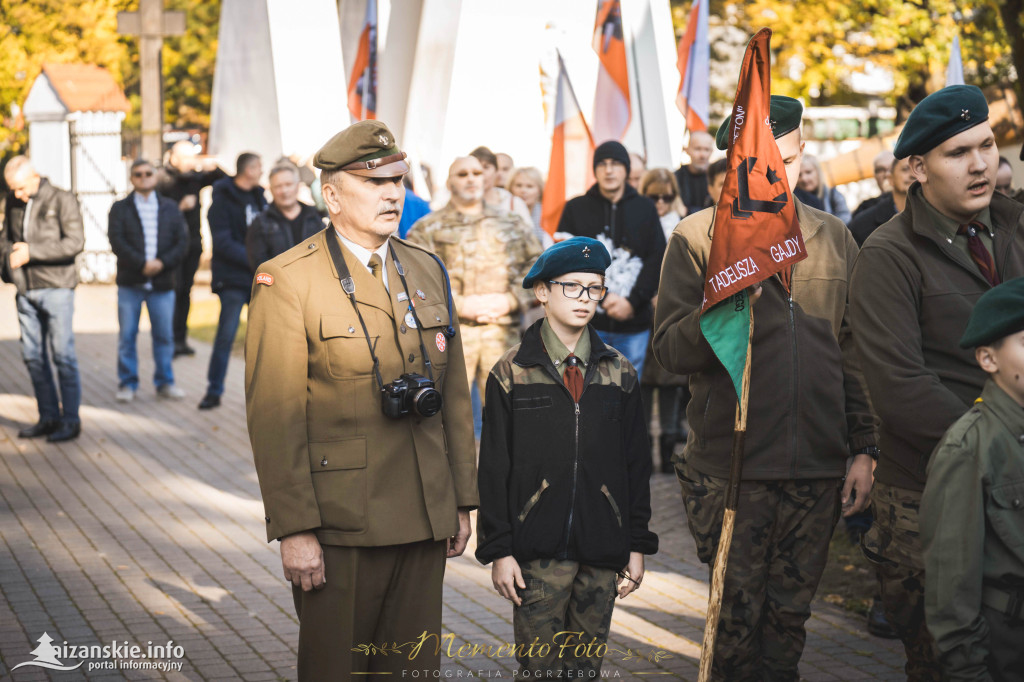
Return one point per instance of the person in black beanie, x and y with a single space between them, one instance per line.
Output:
627 224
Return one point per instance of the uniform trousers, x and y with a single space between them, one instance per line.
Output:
483 345
377 600
778 553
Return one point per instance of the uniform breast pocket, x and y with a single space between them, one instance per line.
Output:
1005 511
435 320
347 352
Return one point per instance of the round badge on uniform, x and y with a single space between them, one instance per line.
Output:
410 321
441 342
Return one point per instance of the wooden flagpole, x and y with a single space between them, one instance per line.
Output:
732 497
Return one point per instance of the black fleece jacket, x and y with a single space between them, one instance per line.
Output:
631 231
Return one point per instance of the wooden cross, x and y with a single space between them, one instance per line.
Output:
152 24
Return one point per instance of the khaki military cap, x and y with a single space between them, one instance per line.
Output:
366 148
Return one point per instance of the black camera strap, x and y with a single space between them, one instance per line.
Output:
412 309
349 287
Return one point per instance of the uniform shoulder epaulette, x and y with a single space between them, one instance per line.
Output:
958 432
412 245
301 250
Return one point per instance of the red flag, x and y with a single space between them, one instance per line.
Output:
362 83
611 98
571 152
756 232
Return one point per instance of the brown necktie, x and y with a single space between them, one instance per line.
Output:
376 269
573 377
979 254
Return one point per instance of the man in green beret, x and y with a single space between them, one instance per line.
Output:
360 421
809 425
916 281
972 508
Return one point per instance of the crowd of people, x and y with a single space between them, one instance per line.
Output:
569 346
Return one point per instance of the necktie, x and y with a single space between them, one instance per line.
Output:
376 269
979 254
573 377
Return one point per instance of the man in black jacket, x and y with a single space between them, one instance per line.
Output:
693 177
41 235
236 203
284 223
627 224
147 234
181 180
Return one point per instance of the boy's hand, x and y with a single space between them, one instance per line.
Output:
506 576
633 575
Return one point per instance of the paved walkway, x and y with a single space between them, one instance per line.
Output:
149 529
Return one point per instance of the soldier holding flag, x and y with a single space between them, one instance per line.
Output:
807 410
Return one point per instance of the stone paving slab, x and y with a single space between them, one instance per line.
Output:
148 531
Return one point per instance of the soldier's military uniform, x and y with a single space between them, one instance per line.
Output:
972 516
380 493
488 253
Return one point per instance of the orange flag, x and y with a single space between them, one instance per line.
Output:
572 150
362 83
611 98
756 232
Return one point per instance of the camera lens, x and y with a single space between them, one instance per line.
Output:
427 402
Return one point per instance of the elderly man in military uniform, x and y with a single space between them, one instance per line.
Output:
360 421
914 285
488 252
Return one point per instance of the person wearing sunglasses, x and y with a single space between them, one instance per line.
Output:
564 470
148 235
40 236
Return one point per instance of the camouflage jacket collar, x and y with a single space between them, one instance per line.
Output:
451 214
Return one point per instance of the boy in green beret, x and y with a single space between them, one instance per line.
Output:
564 471
972 509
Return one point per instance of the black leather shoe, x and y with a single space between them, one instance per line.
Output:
877 624
209 402
183 349
44 427
67 431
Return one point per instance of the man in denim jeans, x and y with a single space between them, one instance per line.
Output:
148 235
41 235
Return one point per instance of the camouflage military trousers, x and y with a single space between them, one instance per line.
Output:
566 613
893 545
778 553
483 345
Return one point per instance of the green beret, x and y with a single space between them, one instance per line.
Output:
940 116
579 254
366 148
785 118
997 314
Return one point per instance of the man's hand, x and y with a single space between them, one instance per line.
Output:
858 480
457 543
152 268
303 561
19 255
472 307
754 293
187 203
493 307
506 576
633 574
617 307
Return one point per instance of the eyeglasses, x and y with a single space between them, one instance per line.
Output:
142 174
667 198
595 292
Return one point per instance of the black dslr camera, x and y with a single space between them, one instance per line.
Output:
410 393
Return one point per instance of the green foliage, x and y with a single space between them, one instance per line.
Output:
36 32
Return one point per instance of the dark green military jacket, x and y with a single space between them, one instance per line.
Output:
972 525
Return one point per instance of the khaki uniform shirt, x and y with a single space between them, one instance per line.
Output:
972 525
489 253
327 458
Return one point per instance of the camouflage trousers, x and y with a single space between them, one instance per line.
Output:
778 553
567 607
893 545
483 345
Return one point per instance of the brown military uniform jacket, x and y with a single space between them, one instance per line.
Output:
327 458
486 254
